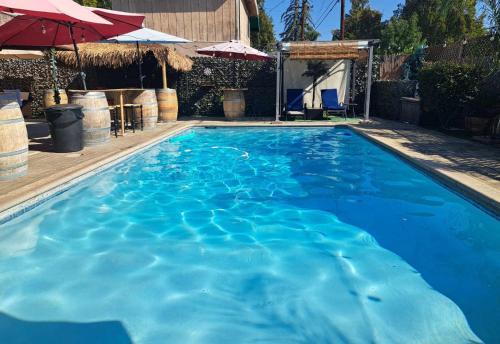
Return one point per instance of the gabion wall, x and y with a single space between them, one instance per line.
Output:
200 91
33 76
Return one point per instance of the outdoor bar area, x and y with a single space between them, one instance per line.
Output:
76 38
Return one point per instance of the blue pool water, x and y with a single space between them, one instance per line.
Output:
272 235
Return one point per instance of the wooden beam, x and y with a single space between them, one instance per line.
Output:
164 74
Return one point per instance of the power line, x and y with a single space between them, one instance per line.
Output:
276 6
326 13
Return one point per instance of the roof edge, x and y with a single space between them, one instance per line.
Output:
252 7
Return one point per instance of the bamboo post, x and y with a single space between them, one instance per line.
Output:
164 74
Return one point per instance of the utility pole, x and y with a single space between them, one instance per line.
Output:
303 20
342 20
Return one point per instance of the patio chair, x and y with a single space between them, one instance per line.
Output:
330 102
295 103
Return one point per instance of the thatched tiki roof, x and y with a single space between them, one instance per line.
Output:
114 55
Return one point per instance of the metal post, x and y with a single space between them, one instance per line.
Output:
78 61
368 83
278 85
139 62
53 68
342 20
353 80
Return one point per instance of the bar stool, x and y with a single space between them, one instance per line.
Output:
130 112
113 110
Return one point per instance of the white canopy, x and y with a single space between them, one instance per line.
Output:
20 54
146 35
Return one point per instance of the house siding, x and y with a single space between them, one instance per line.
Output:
196 20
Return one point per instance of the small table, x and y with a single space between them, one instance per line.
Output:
120 92
314 113
352 106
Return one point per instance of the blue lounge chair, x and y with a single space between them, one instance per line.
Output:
330 102
295 103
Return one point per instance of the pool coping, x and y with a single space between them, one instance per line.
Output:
470 189
467 187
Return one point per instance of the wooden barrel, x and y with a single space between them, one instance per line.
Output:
13 140
48 98
167 104
97 119
147 98
234 104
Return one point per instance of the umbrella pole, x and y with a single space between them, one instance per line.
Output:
139 62
78 61
53 68
164 74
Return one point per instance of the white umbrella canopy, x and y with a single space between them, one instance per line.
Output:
148 36
20 54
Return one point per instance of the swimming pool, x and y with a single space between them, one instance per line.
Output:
261 234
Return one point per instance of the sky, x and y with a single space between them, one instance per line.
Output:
276 7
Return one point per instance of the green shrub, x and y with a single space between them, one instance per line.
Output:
449 92
386 97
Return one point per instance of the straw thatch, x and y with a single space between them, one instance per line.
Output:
323 51
116 56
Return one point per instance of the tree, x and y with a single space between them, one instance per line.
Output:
492 10
444 20
95 3
401 36
263 39
298 22
361 22
315 70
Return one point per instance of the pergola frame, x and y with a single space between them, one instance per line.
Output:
331 51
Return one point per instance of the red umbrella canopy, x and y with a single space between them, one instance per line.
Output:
63 10
124 22
236 50
29 31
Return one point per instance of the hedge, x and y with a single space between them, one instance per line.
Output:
449 92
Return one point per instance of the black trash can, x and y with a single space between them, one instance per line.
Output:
66 127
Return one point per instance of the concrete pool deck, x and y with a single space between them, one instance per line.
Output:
469 167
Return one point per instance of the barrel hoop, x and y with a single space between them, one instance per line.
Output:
95 142
87 96
146 104
14 167
11 121
86 109
97 129
14 175
17 152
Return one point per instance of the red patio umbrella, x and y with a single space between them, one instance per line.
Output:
236 50
62 10
43 32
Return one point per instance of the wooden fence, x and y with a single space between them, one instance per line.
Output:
391 66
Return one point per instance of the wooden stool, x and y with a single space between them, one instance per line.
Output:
115 122
131 108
